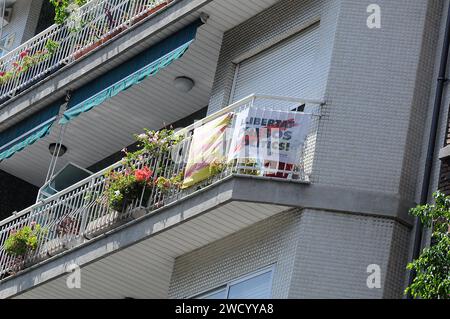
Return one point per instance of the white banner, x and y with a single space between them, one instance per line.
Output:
266 135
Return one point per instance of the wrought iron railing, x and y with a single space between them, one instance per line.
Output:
82 211
97 22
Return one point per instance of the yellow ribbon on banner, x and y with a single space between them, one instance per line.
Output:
207 147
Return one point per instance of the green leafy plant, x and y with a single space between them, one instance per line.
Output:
51 46
432 267
23 240
154 142
62 8
6 76
165 185
217 167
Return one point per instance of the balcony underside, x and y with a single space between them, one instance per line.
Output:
151 104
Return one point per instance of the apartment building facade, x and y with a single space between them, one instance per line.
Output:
313 229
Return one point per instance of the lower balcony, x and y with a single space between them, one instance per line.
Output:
125 225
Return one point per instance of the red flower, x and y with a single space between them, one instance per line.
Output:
143 175
2 73
24 53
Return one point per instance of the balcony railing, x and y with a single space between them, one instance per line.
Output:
97 22
82 211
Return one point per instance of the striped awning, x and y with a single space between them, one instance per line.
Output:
132 72
28 131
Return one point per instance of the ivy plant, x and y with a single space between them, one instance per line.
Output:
432 267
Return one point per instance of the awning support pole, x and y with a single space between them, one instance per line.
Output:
62 130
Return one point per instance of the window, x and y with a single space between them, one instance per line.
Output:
257 285
6 44
286 68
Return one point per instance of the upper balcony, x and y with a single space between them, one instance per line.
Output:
106 33
207 177
96 23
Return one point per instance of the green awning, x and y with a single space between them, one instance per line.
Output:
27 131
27 141
132 72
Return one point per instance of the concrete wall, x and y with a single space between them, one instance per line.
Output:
317 254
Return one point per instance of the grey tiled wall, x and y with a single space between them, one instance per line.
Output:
272 241
317 254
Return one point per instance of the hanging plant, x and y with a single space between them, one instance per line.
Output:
64 8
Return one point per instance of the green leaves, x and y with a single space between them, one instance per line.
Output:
21 241
61 12
432 268
51 46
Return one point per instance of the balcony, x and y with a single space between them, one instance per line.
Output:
97 23
240 164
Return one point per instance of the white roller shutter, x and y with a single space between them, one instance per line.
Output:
285 69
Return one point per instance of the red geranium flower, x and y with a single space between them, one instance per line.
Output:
24 53
2 73
143 175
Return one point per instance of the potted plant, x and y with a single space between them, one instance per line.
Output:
96 39
166 185
21 243
217 167
122 188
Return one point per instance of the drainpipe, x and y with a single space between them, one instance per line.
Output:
432 141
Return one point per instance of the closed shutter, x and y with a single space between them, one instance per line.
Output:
285 69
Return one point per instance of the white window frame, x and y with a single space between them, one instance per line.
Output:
239 280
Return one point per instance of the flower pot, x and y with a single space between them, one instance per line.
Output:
83 51
149 12
102 224
112 34
282 167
